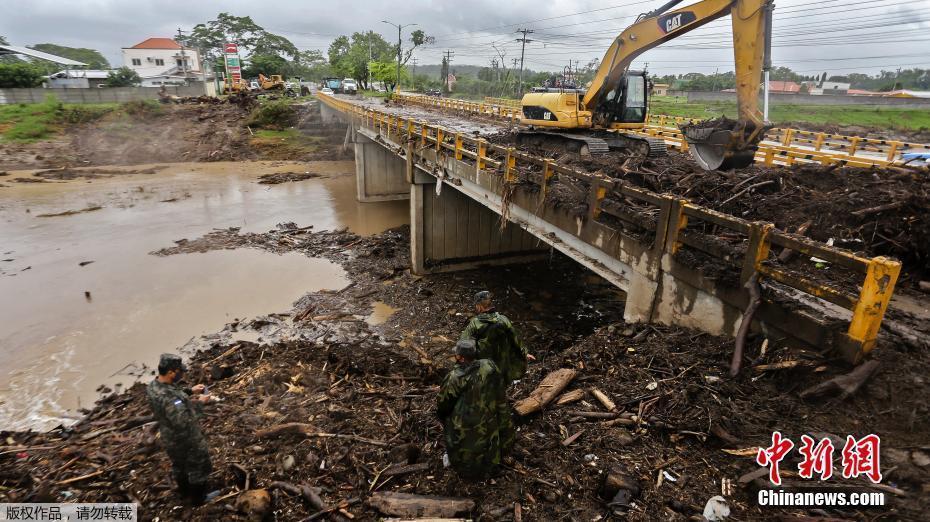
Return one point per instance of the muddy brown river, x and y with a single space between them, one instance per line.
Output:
83 303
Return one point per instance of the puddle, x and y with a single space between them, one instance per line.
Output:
69 325
381 312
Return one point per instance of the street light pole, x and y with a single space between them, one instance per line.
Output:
399 28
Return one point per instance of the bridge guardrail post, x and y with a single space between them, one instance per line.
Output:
677 222
877 288
510 166
458 145
757 251
482 153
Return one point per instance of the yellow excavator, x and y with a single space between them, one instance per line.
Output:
617 99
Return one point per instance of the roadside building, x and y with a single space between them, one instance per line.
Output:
660 89
832 88
163 61
78 79
784 87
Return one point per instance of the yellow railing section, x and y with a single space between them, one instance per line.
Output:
781 146
868 305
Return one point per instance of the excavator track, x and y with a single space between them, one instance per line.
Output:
593 145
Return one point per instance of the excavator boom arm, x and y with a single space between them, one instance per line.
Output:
749 37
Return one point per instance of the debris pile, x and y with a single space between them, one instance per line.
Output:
323 415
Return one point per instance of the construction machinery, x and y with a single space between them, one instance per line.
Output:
233 87
272 83
616 102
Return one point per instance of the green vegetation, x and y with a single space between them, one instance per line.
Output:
285 144
275 115
32 122
853 115
15 75
91 57
123 77
263 52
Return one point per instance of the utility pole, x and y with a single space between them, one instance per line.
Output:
183 57
369 59
522 50
449 54
414 67
399 29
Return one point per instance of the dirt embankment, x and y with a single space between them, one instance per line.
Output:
363 398
204 131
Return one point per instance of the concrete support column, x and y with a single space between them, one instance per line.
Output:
451 232
380 174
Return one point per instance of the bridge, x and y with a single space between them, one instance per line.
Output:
475 203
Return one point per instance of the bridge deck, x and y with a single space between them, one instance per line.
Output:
637 238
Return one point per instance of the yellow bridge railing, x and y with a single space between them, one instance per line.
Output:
781 145
868 305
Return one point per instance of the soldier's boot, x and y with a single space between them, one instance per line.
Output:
184 486
197 493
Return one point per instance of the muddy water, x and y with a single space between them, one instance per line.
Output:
67 328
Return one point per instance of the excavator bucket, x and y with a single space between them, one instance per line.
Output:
721 144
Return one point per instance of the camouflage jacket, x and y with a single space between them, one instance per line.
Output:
471 403
178 417
498 340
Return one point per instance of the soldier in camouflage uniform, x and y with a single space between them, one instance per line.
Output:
471 403
178 412
496 338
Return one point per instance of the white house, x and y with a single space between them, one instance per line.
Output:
78 78
830 88
163 61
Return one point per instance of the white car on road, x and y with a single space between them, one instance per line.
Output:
349 86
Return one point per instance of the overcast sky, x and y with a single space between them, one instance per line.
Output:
837 36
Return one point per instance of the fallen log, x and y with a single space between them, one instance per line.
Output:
306 430
569 397
755 299
403 470
418 506
310 495
603 399
595 414
879 208
550 387
844 385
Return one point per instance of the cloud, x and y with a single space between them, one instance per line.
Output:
810 36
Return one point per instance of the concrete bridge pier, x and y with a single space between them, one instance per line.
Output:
449 231
381 175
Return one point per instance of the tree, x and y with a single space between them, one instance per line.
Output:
209 38
15 75
123 77
266 64
417 38
91 57
349 57
386 72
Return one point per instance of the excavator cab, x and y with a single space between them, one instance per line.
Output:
626 105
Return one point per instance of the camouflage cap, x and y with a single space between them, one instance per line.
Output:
466 348
482 296
170 361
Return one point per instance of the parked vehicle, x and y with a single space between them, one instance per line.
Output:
333 84
349 86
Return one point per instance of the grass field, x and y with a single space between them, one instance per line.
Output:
36 121
842 115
